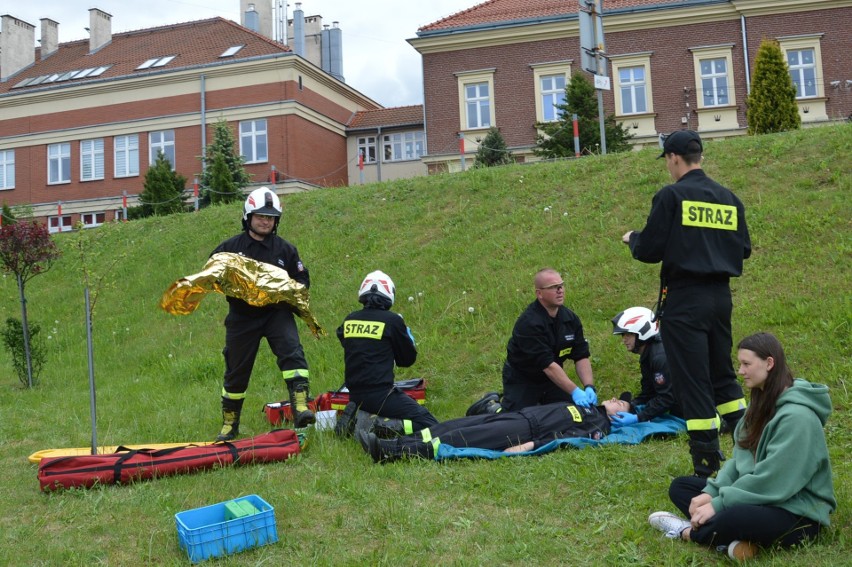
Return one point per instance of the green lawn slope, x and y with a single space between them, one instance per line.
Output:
462 250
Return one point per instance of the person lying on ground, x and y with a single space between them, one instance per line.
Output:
512 432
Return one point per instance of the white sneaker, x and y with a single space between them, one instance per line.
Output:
668 523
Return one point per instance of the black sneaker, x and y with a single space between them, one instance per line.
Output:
345 425
485 404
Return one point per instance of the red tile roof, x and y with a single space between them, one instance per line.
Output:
387 117
193 43
502 11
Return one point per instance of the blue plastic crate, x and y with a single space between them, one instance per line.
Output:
204 532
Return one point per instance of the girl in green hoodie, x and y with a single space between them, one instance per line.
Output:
776 488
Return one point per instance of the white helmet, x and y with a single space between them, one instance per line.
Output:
378 282
636 320
262 201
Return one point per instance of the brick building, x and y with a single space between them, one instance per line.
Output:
81 121
672 64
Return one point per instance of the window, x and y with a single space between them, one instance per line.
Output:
803 71
91 220
126 155
156 62
119 215
477 102
714 82
403 146
476 99
231 51
550 80
7 169
253 144
552 95
59 224
163 141
631 84
59 163
91 159
715 96
367 148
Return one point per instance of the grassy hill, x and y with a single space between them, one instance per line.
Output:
462 250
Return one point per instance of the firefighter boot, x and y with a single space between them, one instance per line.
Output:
389 428
706 457
230 419
298 390
489 403
345 425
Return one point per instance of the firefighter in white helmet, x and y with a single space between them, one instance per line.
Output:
640 335
245 324
375 339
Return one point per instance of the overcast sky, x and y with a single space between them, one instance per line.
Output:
377 60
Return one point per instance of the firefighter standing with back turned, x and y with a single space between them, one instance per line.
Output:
245 324
697 229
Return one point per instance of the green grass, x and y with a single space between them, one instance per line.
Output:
451 243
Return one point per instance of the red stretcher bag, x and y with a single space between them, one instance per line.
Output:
278 412
128 465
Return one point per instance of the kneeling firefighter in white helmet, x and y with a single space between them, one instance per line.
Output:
640 335
245 324
375 339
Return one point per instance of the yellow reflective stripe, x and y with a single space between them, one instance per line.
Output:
732 406
436 442
565 351
711 424
575 414
298 373
353 329
233 395
426 435
709 215
407 426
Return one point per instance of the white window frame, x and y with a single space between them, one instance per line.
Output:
59 163
91 159
403 146
641 123
367 148
126 155
59 223
545 98
7 169
716 52
254 141
802 43
633 89
479 79
161 141
714 82
92 220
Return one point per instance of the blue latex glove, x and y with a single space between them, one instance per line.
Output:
592 394
410 335
625 418
580 397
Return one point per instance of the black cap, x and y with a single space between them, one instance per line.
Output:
682 142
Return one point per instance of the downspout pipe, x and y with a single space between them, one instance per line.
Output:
203 122
380 154
745 54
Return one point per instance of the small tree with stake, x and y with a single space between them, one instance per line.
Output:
26 250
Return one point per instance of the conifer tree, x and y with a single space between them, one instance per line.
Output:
224 176
771 106
163 189
556 139
492 150
6 216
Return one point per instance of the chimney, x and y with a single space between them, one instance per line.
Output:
299 30
49 37
332 52
256 15
17 38
100 29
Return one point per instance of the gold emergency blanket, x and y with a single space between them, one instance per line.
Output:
256 283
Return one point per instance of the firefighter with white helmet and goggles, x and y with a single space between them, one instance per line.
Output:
246 325
374 340
640 335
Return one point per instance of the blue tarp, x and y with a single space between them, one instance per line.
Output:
624 435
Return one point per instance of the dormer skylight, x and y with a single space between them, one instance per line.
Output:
65 76
231 51
156 62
